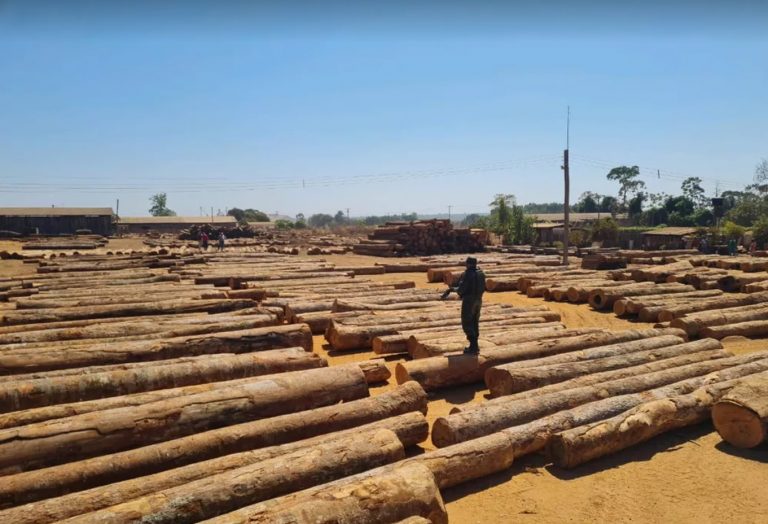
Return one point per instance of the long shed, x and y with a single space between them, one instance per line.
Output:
172 225
56 220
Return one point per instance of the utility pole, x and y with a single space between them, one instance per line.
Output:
567 180
449 212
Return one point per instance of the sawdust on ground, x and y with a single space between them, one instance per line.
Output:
686 476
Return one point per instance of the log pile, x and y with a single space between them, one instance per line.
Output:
421 237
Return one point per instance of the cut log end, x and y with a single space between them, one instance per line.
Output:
401 374
739 425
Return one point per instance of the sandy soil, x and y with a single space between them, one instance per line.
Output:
684 476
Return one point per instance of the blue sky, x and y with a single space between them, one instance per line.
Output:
315 110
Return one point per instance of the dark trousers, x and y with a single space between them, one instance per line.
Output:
470 319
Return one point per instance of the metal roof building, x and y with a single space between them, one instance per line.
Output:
56 220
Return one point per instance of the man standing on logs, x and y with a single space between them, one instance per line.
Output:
470 288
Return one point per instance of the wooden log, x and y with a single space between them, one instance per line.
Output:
604 298
498 414
584 443
120 329
753 329
229 490
393 495
249 340
693 323
90 434
419 348
168 307
505 380
669 313
632 305
395 410
403 427
741 415
114 282
47 302
37 392
615 374
578 293
534 436
407 428
348 337
437 372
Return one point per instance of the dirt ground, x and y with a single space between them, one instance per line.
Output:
684 476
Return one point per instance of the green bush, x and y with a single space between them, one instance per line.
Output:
760 232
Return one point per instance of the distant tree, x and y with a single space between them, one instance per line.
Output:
588 203
628 179
159 206
681 205
733 231
703 217
547 207
693 191
339 217
472 219
605 230
238 213
636 204
761 172
320 220
254 215
284 224
510 221
609 204
760 232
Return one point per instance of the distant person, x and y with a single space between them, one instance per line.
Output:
222 239
732 247
471 288
752 247
204 241
703 245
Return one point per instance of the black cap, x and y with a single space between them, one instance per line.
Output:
471 261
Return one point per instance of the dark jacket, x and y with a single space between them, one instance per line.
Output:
471 285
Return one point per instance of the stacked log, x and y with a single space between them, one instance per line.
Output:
396 411
442 371
587 442
421 237
584 405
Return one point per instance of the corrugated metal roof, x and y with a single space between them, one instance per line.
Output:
54 211
671 231
573 217
178 220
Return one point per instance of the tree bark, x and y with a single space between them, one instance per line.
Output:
251 483
125 331
693 323
615 374
632 305
184 293
393 495
80 436
38 359
437 372
741 415
669 313
505 380
604 298
396 410
498 414
403 427
26 393
582 444
169 307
